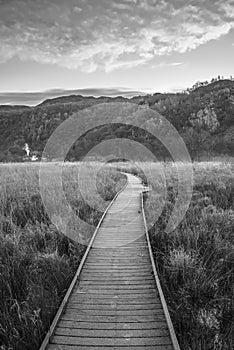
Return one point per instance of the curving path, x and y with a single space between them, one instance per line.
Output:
117 302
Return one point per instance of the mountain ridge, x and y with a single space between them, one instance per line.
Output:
203 115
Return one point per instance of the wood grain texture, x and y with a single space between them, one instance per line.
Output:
115 303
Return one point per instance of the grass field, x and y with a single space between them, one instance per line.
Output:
37 262
195 261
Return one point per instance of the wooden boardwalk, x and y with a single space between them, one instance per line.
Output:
115 300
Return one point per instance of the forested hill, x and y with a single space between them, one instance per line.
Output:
204 116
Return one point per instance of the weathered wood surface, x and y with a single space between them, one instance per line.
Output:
116 304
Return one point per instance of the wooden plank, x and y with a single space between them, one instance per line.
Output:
90 306
117 295
120 256
117 264
94 347
72 310
117 279
127 271
117 292
116 287
119 301
101 333
79 341
120 319
118 274
124 261
118 282
113 325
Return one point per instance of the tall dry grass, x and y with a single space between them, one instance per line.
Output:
196 260
37 262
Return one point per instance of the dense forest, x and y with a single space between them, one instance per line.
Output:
203 115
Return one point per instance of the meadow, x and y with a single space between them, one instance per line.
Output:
195 262
37 262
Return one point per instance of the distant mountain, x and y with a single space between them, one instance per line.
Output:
35 97
12 107
204 116
80 98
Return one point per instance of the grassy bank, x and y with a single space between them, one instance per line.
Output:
37 263
196 261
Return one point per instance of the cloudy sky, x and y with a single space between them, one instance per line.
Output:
117 46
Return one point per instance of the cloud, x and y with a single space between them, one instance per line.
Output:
33 98
167 64
91 35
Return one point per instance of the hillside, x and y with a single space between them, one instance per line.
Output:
8 108
203 115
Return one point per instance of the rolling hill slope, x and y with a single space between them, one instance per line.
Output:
204 116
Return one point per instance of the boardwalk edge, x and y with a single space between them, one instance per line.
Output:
162 298
63 304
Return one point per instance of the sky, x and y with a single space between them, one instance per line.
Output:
111 47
